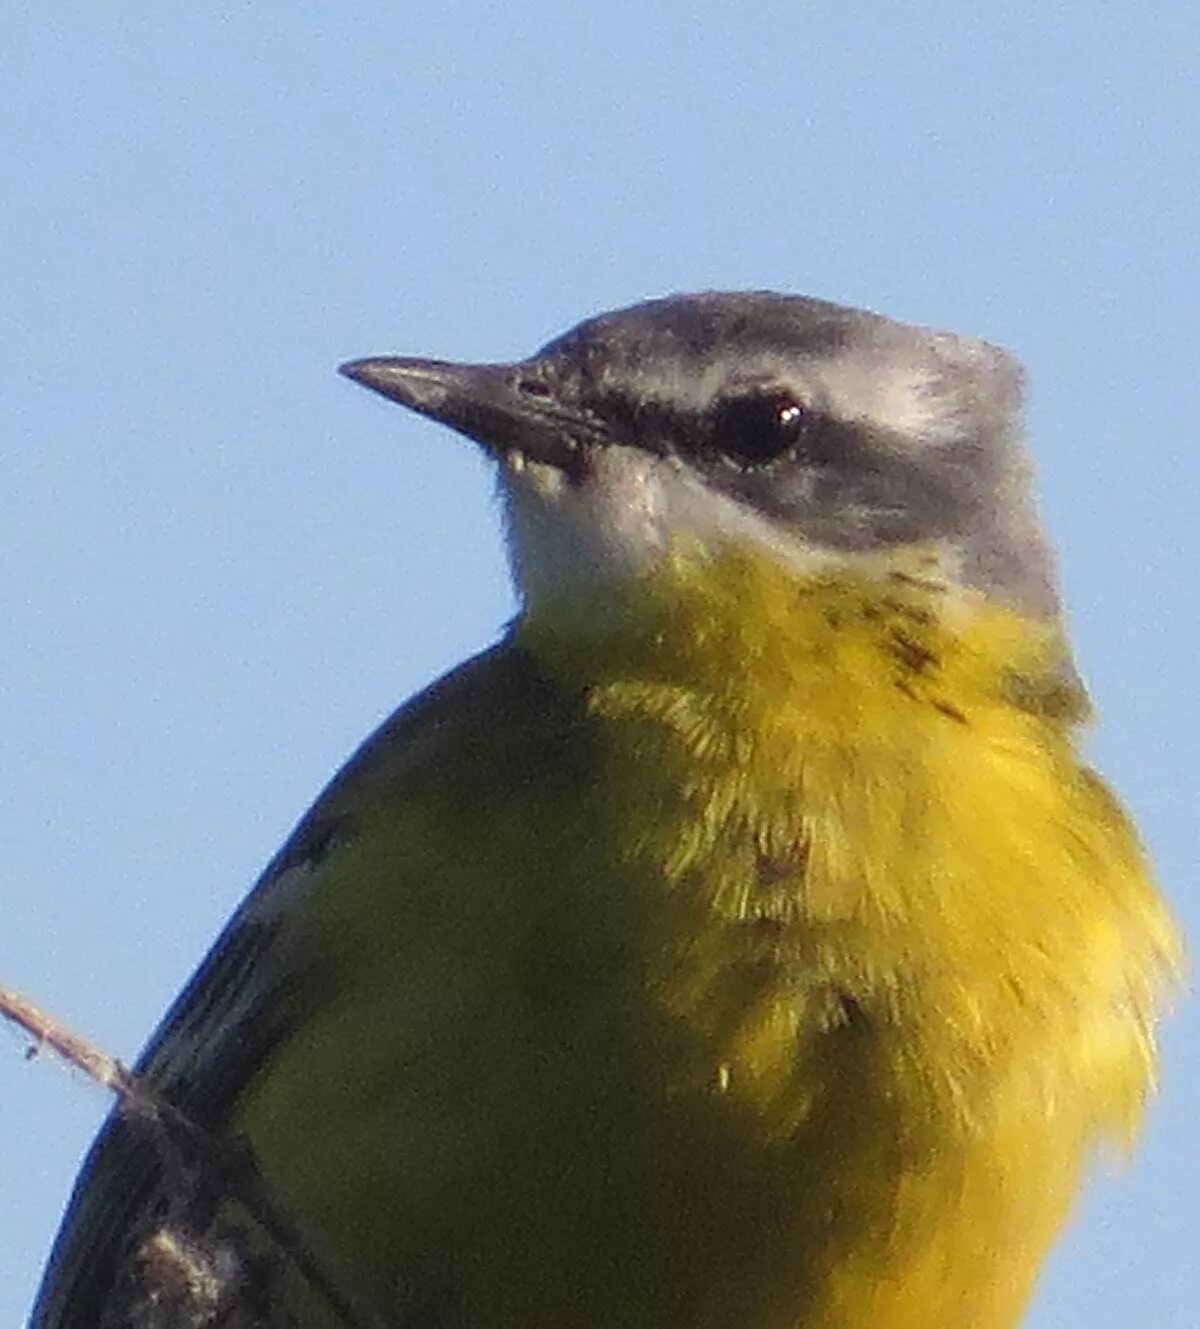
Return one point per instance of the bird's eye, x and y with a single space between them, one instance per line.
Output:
755 429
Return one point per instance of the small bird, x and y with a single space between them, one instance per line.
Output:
739 943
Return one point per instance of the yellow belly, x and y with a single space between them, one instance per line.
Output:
781 971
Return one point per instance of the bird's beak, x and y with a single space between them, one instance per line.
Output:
506 408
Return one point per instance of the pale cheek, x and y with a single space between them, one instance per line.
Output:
574 539
624 509
565 538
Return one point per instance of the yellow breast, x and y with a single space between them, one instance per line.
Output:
778 967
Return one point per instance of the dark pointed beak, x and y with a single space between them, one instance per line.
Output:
506 408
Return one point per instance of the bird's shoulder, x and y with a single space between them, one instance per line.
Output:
246 994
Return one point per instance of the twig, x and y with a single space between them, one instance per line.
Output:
234 1165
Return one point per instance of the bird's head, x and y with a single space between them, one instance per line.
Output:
818 434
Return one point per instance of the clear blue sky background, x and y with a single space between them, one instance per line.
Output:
220 564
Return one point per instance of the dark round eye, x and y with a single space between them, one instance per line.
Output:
755 429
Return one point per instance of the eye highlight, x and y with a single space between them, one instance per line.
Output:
756 428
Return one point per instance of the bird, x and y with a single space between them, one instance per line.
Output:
742 941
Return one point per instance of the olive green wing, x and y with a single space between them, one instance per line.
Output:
245 998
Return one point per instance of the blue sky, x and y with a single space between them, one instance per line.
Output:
221 565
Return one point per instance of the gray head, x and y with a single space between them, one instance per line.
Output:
818 430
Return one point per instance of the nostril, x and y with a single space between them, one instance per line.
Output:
533 387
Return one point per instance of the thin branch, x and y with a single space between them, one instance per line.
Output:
47 1032
232 1163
